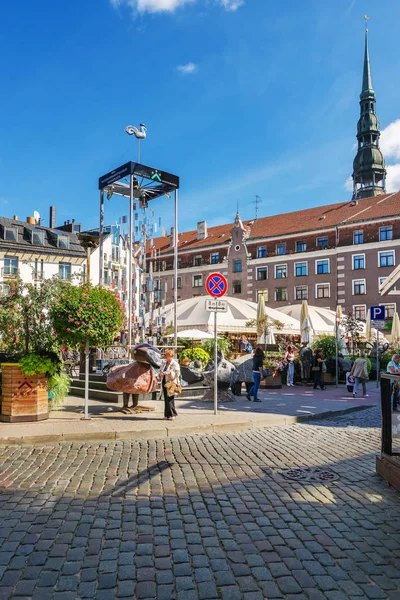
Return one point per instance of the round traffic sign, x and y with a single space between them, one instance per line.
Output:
216 285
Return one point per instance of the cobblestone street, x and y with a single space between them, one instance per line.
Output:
202 517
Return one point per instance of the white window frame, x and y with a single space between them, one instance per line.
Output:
359 306
385 227
365 287
258 269
296 287
65 239
302 262
287 295
385 304
194 260
354 234
201 281
352 262
259 248
321 237
301 242
316 290
214 254
276 248
14 230
264 293
281 265
381 280
386 252
317 260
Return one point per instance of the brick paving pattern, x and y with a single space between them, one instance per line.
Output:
201 518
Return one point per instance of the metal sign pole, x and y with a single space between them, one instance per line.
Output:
87 354
337 354
377 358
130 261
176 269
101 250
215 365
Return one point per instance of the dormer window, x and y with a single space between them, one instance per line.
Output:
63 242
37 238
11 234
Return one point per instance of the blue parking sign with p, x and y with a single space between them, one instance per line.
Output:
377 313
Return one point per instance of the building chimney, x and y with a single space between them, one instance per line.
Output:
31 220
202 230
52 220
15 218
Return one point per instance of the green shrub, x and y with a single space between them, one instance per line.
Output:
222 343
59 388
384 360
327 343
34 364
195 354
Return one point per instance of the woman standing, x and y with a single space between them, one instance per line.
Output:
258 358
394 368
360 372
319 360
170 372
289 357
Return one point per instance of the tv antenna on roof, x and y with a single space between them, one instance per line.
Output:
257 201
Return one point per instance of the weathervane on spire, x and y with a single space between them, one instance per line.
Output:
366 19
139 134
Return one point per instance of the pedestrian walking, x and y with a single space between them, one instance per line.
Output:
289 357
258 359
360 373
170 374
393 367
306 360
319 364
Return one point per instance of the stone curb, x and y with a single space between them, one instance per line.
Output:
173 432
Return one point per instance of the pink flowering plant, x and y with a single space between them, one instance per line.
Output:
87 313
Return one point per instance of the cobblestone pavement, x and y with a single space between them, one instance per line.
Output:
202 517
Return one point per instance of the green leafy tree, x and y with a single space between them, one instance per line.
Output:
195 354
222 343
327 343
87 314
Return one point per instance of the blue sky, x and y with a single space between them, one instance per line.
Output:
239 98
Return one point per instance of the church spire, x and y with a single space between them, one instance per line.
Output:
369 171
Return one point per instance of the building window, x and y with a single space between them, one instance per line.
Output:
359 287
11 234
358 237
262 273
360 312
63 242
197 280
301 246
10 265
214 259
197 260
300 269
37 238
301 292
280 271
322 266
386 259
322 290
262 252
237 287
281 295
263 293
322 242
281 248
237 266
64 271
385 233
358 261
389 310
179 283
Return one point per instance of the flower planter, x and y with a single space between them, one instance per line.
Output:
24 398
273 382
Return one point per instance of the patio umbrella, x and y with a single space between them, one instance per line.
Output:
261 318
395 328
192 334
368 326
270 338
305 324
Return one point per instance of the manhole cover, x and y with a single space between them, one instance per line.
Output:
310 474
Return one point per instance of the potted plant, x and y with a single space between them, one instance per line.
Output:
85 315
31 350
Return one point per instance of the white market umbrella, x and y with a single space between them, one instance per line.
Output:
368 333
261 318
192 313
395 328
305 323
270 338
192 334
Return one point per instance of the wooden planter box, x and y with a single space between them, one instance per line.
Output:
24 398
273 382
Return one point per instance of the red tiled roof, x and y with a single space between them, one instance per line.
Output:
309 219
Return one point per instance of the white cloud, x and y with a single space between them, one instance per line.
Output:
349 184
187 69
390 140
232 5
393 178
154 6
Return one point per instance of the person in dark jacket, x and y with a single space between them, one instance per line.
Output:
258 358
319 360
